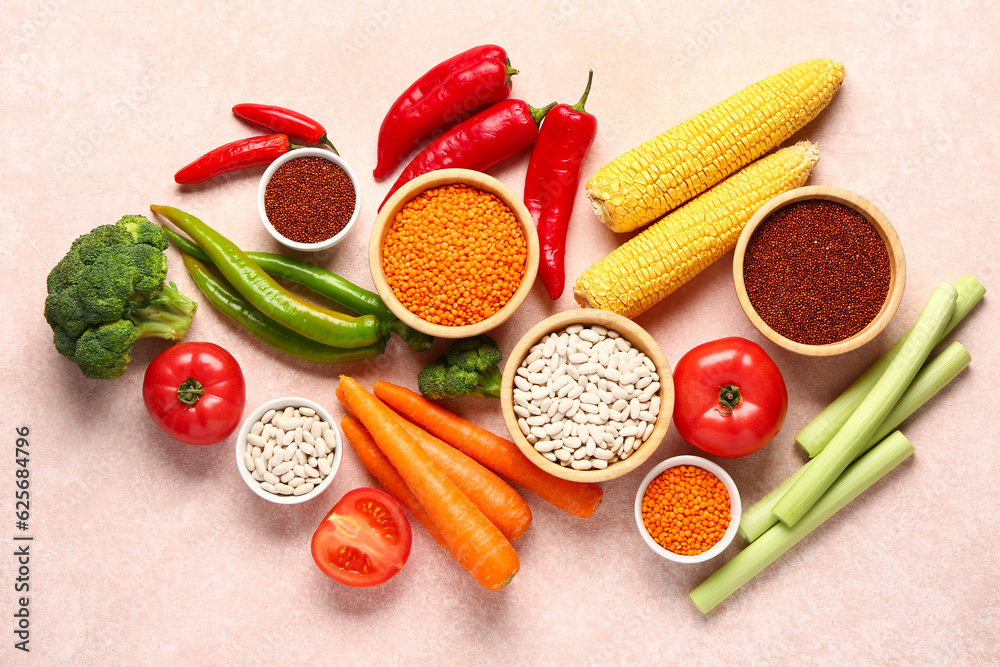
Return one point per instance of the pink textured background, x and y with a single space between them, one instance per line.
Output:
147 551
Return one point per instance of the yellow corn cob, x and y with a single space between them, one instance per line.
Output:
673 250
664 172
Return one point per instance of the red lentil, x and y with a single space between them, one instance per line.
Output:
816 272
454 255
686 510
309 199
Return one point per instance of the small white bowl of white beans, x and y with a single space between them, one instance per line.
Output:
288 450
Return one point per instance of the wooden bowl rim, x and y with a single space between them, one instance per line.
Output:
897 268
411 189
640 339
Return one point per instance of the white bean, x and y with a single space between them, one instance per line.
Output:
543 446
552 429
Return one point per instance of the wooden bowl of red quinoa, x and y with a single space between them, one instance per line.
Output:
819 271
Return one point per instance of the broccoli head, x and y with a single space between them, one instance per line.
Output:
108 291
470 368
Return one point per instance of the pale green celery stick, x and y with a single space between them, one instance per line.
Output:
815 435
763 551
847 444
930 380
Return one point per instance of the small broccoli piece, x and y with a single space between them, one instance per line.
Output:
470 368
108 291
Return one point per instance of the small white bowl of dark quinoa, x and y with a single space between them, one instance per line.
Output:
308 199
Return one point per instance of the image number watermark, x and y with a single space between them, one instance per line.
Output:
22 542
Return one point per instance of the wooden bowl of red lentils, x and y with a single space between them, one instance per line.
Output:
819 271
688 509
453 253
308 199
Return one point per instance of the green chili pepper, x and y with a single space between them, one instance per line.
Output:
229 302
320 324
322 282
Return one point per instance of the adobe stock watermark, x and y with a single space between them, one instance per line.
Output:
108 121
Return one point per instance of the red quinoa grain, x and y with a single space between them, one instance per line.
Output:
816 272
309 199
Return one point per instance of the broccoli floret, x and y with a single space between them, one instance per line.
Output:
470 368
108 291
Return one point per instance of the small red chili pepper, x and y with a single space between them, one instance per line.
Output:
551 183
278 119
473 78
241 154
478 143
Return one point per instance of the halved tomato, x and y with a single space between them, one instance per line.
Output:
364 540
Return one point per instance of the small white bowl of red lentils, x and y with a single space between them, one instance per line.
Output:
308 199
688 509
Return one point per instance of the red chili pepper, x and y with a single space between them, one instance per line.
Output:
242 154
478 143
278 119
473 78
551 183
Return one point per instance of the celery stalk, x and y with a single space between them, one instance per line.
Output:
815 435
930 380
862 424
780 538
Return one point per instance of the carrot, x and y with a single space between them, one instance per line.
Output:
499 455
493 496
477 544
376 463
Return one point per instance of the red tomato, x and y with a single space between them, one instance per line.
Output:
364 540
729 397
195 392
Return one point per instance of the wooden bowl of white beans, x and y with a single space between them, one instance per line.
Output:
587 395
